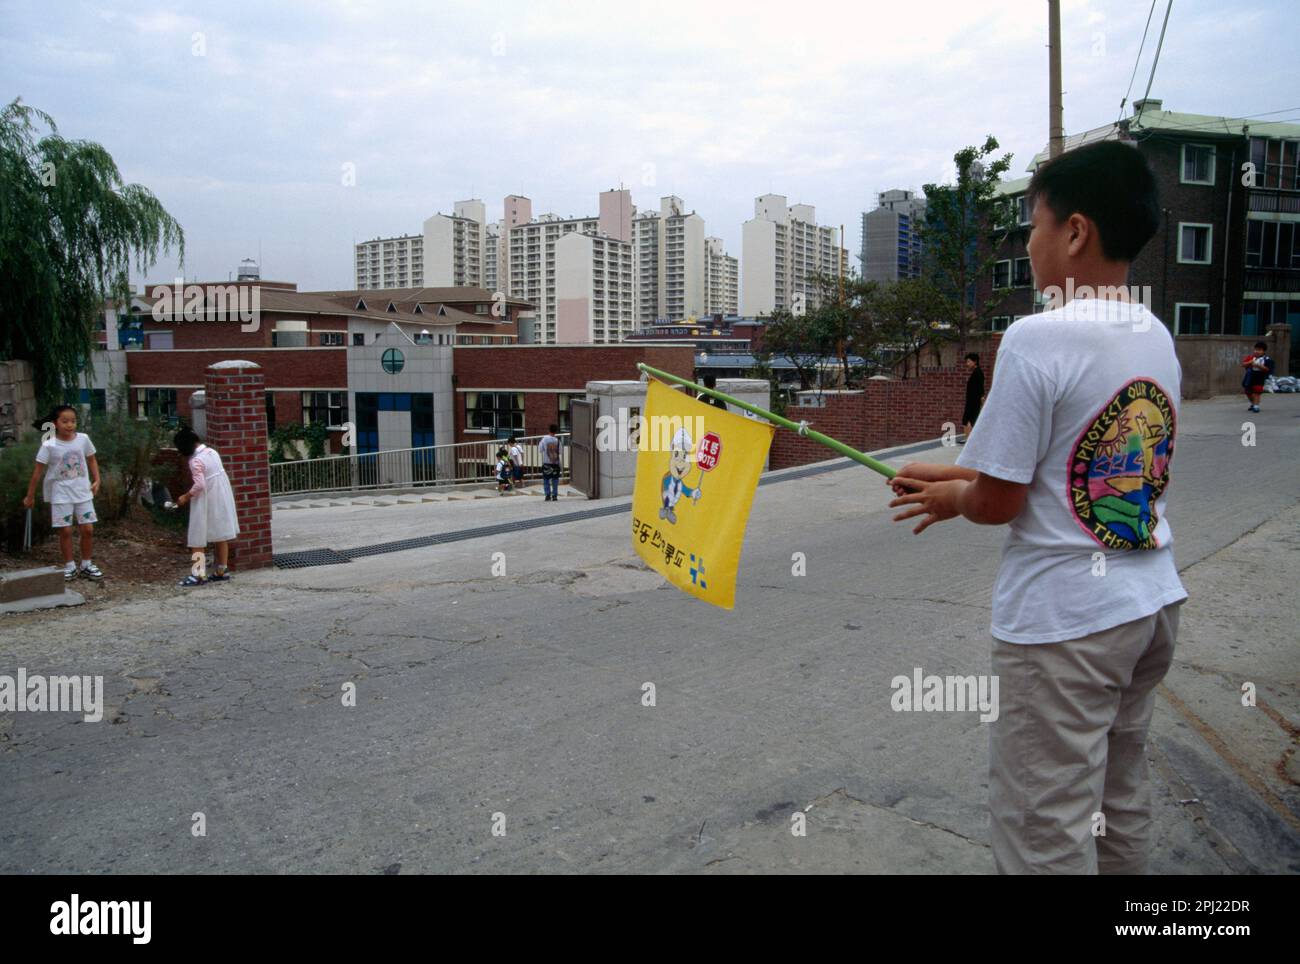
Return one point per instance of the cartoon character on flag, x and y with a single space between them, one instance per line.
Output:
674 483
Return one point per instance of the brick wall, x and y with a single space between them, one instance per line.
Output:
236 416
281 367
884 414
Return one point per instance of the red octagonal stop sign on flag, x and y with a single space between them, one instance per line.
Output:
708 452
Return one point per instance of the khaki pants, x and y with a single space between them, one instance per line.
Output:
1070 742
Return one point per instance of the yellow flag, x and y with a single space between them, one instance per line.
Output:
696 470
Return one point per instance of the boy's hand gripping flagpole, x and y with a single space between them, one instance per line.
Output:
801 427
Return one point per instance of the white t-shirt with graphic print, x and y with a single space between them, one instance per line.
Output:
1083 408
67 469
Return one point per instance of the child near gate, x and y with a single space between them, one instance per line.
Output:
503 472
212 514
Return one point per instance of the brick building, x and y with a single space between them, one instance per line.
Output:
1226 259
406 367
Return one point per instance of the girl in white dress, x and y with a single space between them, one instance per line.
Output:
212 515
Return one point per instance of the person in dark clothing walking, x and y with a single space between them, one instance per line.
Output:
974 395
711 381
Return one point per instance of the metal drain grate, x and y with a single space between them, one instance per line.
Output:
309 557
331 557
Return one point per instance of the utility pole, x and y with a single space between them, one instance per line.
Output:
1055 125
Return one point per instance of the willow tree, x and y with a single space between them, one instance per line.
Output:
70 229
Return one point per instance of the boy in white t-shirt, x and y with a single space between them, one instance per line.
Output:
67 459
1072 452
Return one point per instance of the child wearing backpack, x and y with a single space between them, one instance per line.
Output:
1258 366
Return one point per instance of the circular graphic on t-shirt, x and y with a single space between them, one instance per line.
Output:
1119 467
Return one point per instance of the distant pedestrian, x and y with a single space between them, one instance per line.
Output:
516 461
1258 366
549 447
503 471
67 459
212 516
711 381
974 395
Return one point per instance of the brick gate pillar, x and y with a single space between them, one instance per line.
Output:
235 395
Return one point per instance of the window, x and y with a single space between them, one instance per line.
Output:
1022 209
155 403
1198 164
331 338
481 309
358 339
564 421
1002 274
496 413
1258 314
328 407
999 323
94 399
1022 277
1275 163
393 360
270 411
1194 243
1272 244
1191 319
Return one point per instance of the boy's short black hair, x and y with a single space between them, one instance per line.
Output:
553 428
973 356
186 441
1262 344
710 381
1109 183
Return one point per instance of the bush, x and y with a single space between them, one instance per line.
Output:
16 463
126 448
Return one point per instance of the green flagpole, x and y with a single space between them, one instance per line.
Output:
801 427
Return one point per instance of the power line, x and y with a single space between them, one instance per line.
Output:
1136 60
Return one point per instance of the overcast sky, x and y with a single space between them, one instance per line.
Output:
241 117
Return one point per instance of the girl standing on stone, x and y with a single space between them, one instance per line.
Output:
212 515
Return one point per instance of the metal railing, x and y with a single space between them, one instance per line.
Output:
459 463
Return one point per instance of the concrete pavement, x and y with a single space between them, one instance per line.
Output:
521 695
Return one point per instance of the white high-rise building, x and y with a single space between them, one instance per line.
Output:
681 261
454 245
593 289
390 262
783 250
721 280
672 263
534 269
491 257
645 267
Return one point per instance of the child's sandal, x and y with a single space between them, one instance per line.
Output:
191 580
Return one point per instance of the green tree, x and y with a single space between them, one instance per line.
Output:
964 224
69 231
905 312
800 340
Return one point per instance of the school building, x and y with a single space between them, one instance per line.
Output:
406 367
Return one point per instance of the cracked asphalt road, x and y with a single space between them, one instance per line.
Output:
521 695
